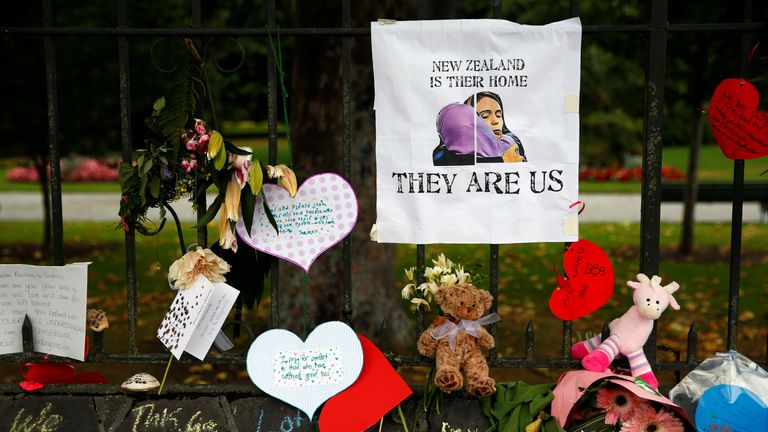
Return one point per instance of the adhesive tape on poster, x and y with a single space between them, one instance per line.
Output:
571 103
571 225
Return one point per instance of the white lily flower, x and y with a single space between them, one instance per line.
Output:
409 273
448 279
423 288
463 277
433 289
408 291
419 302
433 273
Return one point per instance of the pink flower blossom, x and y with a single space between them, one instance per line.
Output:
619 403
189 165
191 145
647 419
199 126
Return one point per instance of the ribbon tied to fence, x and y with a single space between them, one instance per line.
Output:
471 327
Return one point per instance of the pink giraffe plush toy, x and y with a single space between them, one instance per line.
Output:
630 332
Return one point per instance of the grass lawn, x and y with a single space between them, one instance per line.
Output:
713 166
525 281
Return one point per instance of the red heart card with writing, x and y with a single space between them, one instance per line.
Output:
588 285
739 128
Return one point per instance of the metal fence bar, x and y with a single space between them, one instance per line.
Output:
49 54
339 31
346 140
274 271
734 277
123 55
650 207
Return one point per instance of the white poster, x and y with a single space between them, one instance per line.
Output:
477 131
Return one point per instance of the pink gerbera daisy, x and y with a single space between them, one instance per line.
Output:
619 403
647 419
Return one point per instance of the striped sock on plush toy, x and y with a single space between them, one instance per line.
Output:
610 347
638 363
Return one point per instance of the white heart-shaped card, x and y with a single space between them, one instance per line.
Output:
306 374
321 214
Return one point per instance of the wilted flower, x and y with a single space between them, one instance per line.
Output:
184 271
227 238
232 199
242 166
285 177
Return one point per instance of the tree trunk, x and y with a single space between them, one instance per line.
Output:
692 182
316 131
691 187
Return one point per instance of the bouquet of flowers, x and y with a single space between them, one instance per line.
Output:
591 401
444 272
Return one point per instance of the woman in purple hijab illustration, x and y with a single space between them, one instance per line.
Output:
476 131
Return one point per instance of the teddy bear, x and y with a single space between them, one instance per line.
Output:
457 340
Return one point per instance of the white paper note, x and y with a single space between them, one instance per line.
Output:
54 298
213 317
195 317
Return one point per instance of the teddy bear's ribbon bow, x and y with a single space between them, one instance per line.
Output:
472 327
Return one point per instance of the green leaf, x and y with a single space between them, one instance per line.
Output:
247 206
235 149
148 164
270 216
220 160
211 212
215 144
159 104
154 187
143 189
125 173
256 177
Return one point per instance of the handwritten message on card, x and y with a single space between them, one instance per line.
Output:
738 126
54 298
319 366
321 214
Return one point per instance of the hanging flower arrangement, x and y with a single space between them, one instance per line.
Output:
183 158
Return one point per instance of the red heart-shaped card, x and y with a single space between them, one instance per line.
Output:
378 389
739 128
589 282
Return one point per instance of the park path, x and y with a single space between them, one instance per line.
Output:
103 207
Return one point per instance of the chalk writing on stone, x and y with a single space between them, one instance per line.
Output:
149 418
45 421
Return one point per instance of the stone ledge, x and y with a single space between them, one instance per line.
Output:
191 409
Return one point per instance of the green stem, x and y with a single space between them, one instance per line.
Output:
277 52
402 417
165 375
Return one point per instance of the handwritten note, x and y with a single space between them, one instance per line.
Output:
321 214
54 298
307 367
739 128
589 283
195 317
213 316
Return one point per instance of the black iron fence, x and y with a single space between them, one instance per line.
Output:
657 31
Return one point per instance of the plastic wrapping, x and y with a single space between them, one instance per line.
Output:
724 368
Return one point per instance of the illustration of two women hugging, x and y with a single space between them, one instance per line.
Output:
475 131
